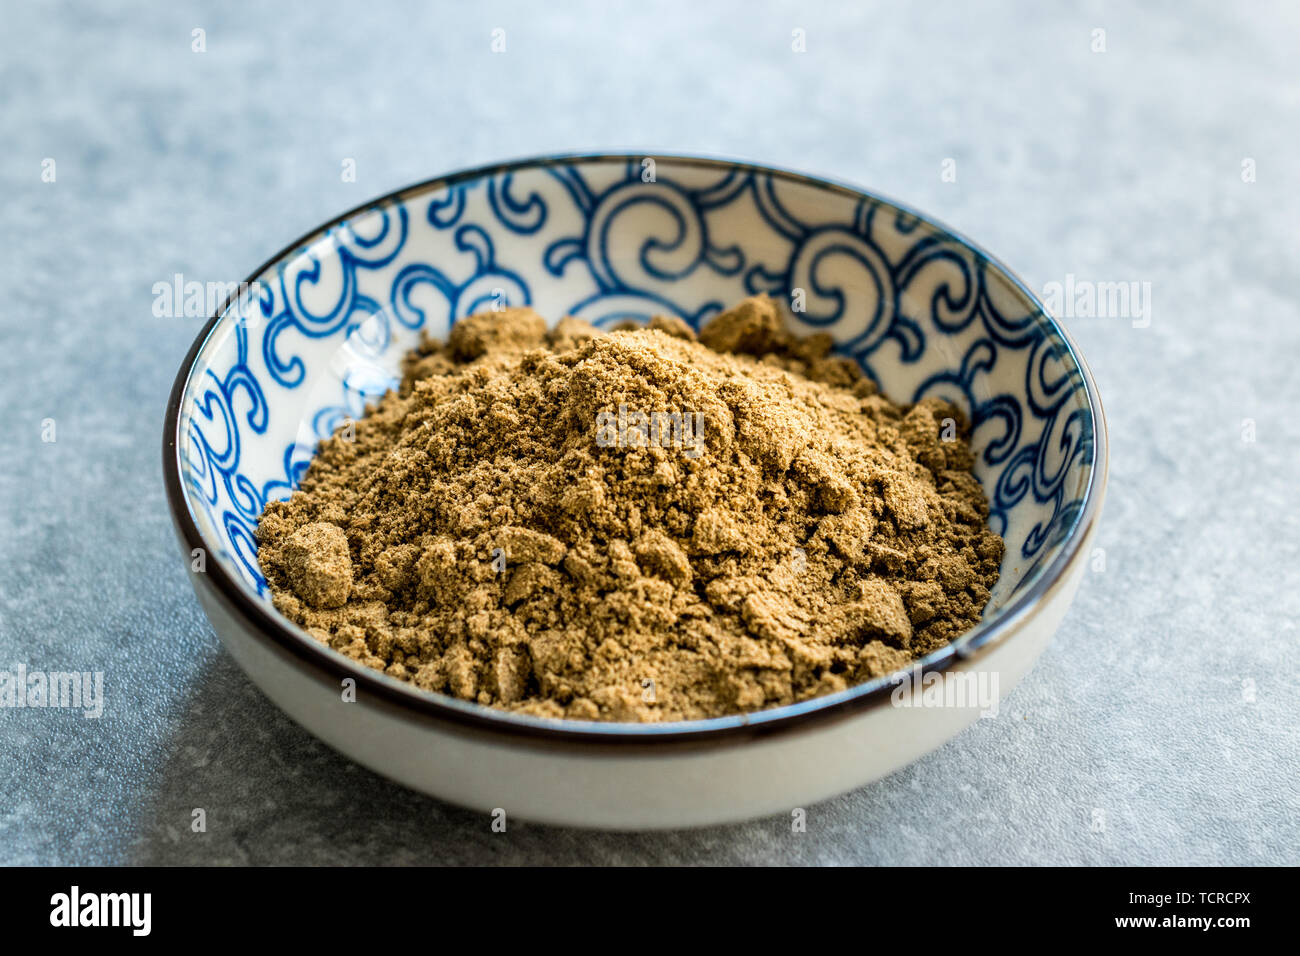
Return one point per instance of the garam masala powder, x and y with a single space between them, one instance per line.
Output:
638 525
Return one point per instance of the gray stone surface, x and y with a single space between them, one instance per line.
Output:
1168 701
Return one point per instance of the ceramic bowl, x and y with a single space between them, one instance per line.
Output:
319 330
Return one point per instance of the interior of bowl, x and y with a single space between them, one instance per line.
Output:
321 330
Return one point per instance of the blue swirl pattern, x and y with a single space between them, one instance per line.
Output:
614 239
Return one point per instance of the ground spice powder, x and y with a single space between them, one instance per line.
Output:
639 525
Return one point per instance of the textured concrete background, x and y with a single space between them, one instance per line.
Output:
1161 725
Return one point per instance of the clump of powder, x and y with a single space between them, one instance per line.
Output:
638 525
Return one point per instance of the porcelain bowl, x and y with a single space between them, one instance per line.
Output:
318 331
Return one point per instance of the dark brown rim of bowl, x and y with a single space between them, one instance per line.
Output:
522 730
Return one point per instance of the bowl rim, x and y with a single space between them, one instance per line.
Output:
262 620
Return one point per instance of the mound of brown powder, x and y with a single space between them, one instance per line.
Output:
638 525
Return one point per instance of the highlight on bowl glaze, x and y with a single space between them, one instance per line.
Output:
320 330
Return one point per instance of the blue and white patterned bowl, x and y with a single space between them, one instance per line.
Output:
320 331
